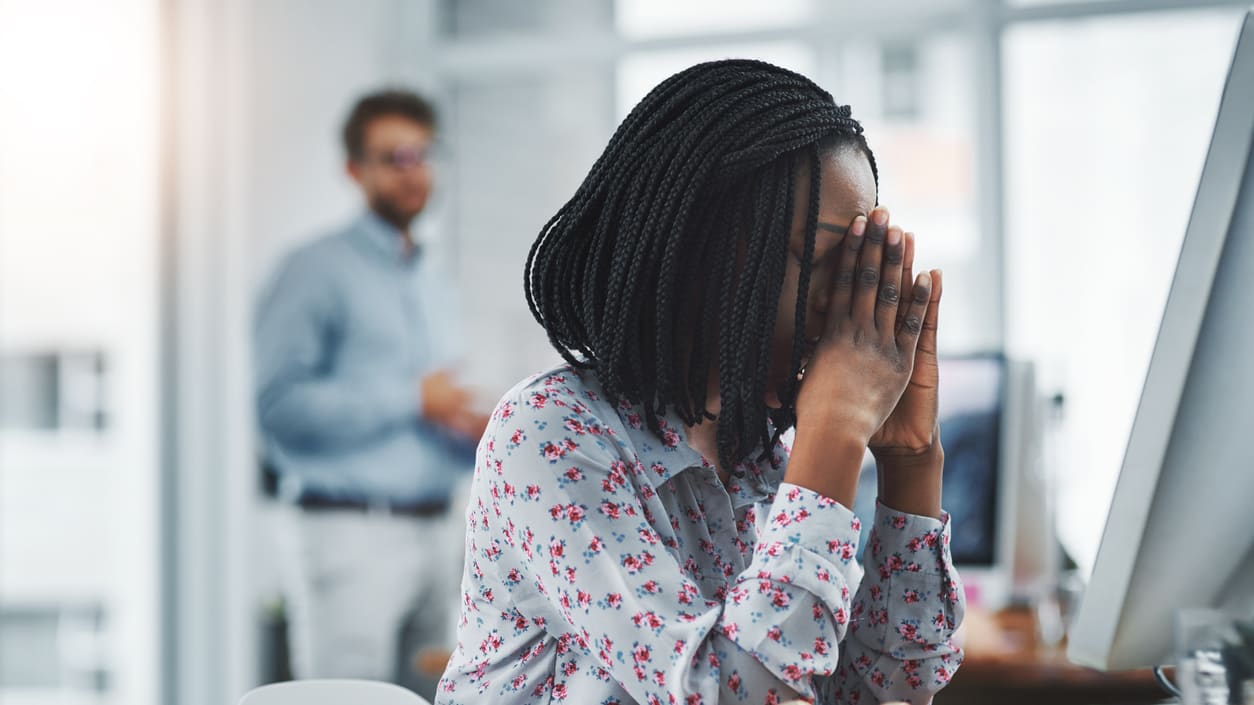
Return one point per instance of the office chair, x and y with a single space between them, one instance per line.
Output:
331 692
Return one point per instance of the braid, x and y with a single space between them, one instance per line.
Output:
670 257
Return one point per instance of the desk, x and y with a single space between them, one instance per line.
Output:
1005 665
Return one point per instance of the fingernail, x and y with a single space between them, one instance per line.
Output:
925 279
858 227
881 216
894 236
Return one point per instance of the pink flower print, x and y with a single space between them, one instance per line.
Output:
651 587
898 521
733 681
792 672
552 452
634 421
730 630
640 654
780 599
670 439
686 592
533 491
911 596
774 633
659 678
909 631
517 437
631 563
574 474
877 677
820 646
492 643
575 426
519 681
538 400
614 599
595 545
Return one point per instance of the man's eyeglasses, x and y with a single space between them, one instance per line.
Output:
404 157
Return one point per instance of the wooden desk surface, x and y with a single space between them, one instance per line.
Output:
1005 665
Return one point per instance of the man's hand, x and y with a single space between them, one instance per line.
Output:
447 404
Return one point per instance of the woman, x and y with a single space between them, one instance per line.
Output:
638 530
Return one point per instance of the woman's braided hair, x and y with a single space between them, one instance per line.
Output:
678 238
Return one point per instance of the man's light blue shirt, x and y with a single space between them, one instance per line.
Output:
344 332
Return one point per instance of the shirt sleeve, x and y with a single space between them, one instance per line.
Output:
301 401
900 645
580 555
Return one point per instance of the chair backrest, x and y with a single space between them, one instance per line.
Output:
331 692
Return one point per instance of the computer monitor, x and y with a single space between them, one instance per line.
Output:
1180 532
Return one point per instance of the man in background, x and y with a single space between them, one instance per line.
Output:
361 414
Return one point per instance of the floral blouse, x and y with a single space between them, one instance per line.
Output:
605 566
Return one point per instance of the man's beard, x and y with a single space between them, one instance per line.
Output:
388 210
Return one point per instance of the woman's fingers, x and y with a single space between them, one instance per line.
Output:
927 338
907 280
866 290
843 282
912 325
890 284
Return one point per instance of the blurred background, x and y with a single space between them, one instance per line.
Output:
158 158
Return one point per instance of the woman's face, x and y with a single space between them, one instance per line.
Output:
847 191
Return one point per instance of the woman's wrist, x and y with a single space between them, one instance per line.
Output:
827 463
912 483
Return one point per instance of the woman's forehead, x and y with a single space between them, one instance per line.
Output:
848 185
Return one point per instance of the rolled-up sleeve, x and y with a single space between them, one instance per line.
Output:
900 644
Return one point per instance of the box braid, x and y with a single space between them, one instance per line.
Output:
670 257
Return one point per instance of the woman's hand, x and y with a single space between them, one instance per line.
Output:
911 429
861 362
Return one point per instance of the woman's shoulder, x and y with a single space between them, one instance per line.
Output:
562 390
559 406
